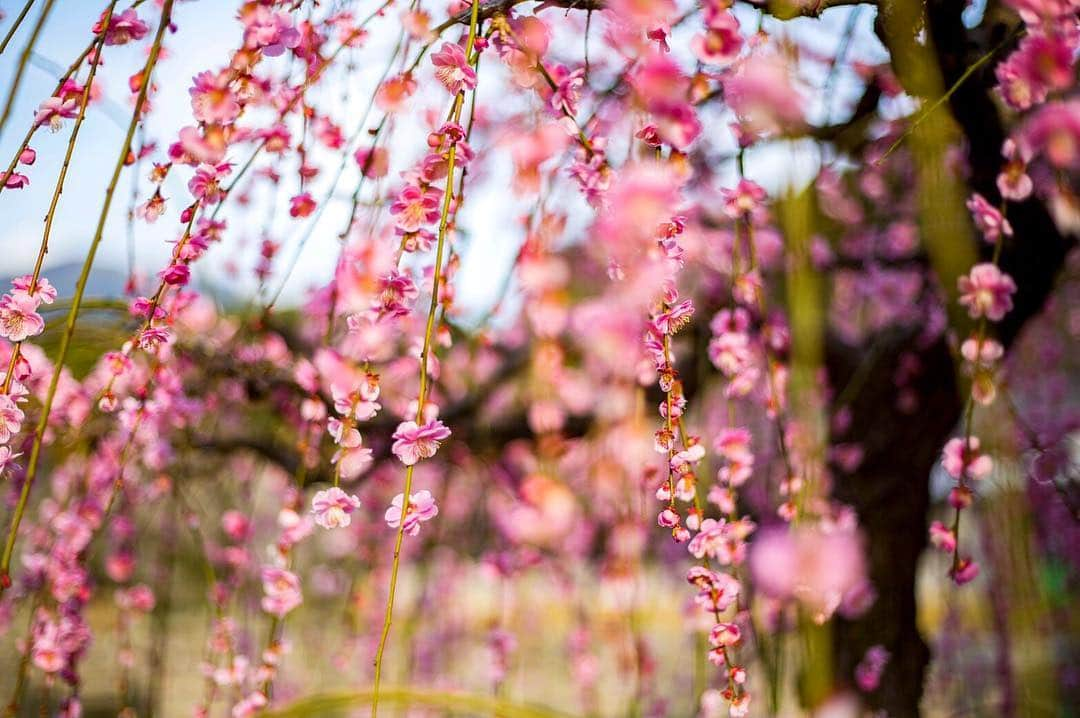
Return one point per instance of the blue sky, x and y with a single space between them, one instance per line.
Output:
208 31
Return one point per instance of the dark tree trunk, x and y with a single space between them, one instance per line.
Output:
890 490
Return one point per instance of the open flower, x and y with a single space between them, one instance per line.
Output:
987 292
452 69
282 591
211 98
19 318
413 443
333 508
988 219
206 184
123 28
421 508
415 207
54 110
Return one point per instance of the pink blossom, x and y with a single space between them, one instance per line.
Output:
965 571
762 94
721 43
123 28
211 99
236 525
47 656
987 292
722 540
150 210
397 292
282 591
415 207
746 199
968 464
988 219
352 461
176 274
1053 132
332 508
814 566
15 180
452 69
374 162
302 205
1014 183
19 318
206 184
724 634
868 672
413 443
139 597
54 110
421 508
566 95
270 31
7 457
393 93
942 537
43 291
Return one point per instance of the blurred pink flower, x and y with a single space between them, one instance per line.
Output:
333 508
987 292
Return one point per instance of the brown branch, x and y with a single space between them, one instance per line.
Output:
500 7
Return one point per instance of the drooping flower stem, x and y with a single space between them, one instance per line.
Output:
15 25
24 61
969 413
50 215
60 82
80 289
433 308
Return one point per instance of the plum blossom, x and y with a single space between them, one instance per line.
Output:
54 110
971 464
19 319
14 180
206 184
988 219
868 672
415 207
452 68
721 43
965 571
397 292
942 537
987 292
123 28
721 540
282 591
270 31
1014 183
301 205
413 442
11 418
211 98
333 508
421 508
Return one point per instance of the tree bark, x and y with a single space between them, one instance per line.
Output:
890 490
